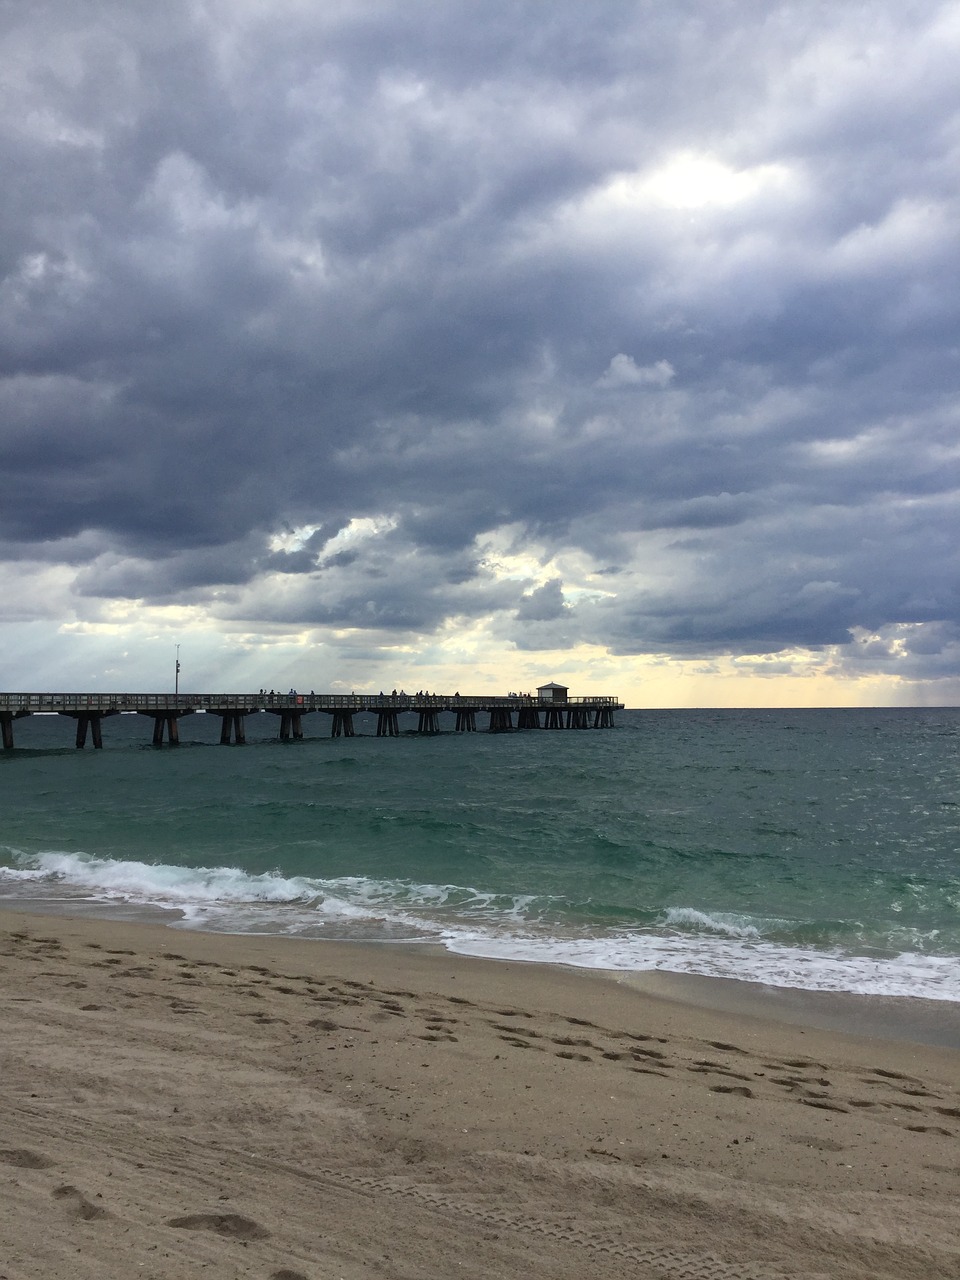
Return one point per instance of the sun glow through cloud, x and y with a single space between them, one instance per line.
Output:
691 181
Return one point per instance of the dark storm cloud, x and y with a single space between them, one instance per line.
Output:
672 291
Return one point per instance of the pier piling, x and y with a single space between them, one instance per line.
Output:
232 726
388 726
429 722
342 725
167 720
88 720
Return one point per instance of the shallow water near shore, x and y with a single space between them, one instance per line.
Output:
800 850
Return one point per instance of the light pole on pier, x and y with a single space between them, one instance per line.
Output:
176 677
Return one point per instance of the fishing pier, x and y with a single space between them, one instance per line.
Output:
550 708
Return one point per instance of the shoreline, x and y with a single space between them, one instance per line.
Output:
266 1107
912 1019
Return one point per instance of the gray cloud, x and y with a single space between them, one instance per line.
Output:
544 604
673 292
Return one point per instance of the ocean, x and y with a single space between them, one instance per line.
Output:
810 849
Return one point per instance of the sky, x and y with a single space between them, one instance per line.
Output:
472 344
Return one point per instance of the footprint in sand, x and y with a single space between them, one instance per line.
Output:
23 1159
77 1204
233 1226
389 1006
431 1015
518 1043
709 1069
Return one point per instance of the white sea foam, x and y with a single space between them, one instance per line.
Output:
158 884
731 926
469 922
907 974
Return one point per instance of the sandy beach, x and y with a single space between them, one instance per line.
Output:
178 1103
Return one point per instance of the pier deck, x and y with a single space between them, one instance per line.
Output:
505 714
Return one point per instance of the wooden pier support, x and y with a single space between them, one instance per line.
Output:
553 718
291 721
388 726
91 722
578 718
603 719
166 720
501 720
466 721
291 726
342 725
88 720
231 727
429 722
528 718
6 726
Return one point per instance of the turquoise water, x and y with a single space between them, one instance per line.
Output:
812 849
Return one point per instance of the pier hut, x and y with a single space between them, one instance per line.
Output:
555 699
553 692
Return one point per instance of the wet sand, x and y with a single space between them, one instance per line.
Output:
178 1103
930 1022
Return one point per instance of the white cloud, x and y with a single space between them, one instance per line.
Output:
623 371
